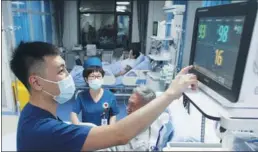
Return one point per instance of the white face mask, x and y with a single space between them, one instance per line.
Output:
95 84
66 87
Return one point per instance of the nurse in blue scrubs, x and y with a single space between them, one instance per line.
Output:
97 105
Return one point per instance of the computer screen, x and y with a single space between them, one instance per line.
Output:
217 47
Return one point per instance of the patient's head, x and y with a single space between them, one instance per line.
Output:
134 54
140 97
134 51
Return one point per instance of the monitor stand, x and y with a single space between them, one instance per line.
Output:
213 109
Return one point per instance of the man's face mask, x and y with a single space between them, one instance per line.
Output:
66 87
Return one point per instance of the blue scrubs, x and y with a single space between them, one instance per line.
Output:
92 112
39 130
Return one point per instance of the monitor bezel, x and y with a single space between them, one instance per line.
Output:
246 9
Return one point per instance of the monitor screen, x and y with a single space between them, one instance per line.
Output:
217 47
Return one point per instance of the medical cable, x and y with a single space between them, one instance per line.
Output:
252 141
155 148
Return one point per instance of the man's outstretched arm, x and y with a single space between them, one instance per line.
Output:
126 129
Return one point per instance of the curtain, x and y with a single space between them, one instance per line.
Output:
21 19
37 27
49 30
142 13
208 3
59 20
48 21
36 21
32 25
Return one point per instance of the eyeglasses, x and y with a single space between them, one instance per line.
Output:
95 77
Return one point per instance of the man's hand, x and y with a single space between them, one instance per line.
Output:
181 82
123 72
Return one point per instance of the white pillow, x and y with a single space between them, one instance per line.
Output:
144 65
139 59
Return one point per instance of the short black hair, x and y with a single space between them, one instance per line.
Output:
89 70
28 55
135 47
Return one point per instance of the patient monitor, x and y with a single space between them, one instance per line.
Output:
224 54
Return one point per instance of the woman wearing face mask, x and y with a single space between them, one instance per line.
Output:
98 105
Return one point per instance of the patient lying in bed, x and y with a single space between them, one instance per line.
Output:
127 64
117 69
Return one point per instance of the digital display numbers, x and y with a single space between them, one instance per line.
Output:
202 31
219 57
217 46
222 31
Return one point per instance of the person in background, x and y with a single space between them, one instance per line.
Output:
128 64
39 66
98 105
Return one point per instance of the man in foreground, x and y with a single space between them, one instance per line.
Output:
41 69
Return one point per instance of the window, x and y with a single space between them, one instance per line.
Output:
49 30
105 23
37 28
123 36
97 6
21 19
34 19
123 6
98 29
19 4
